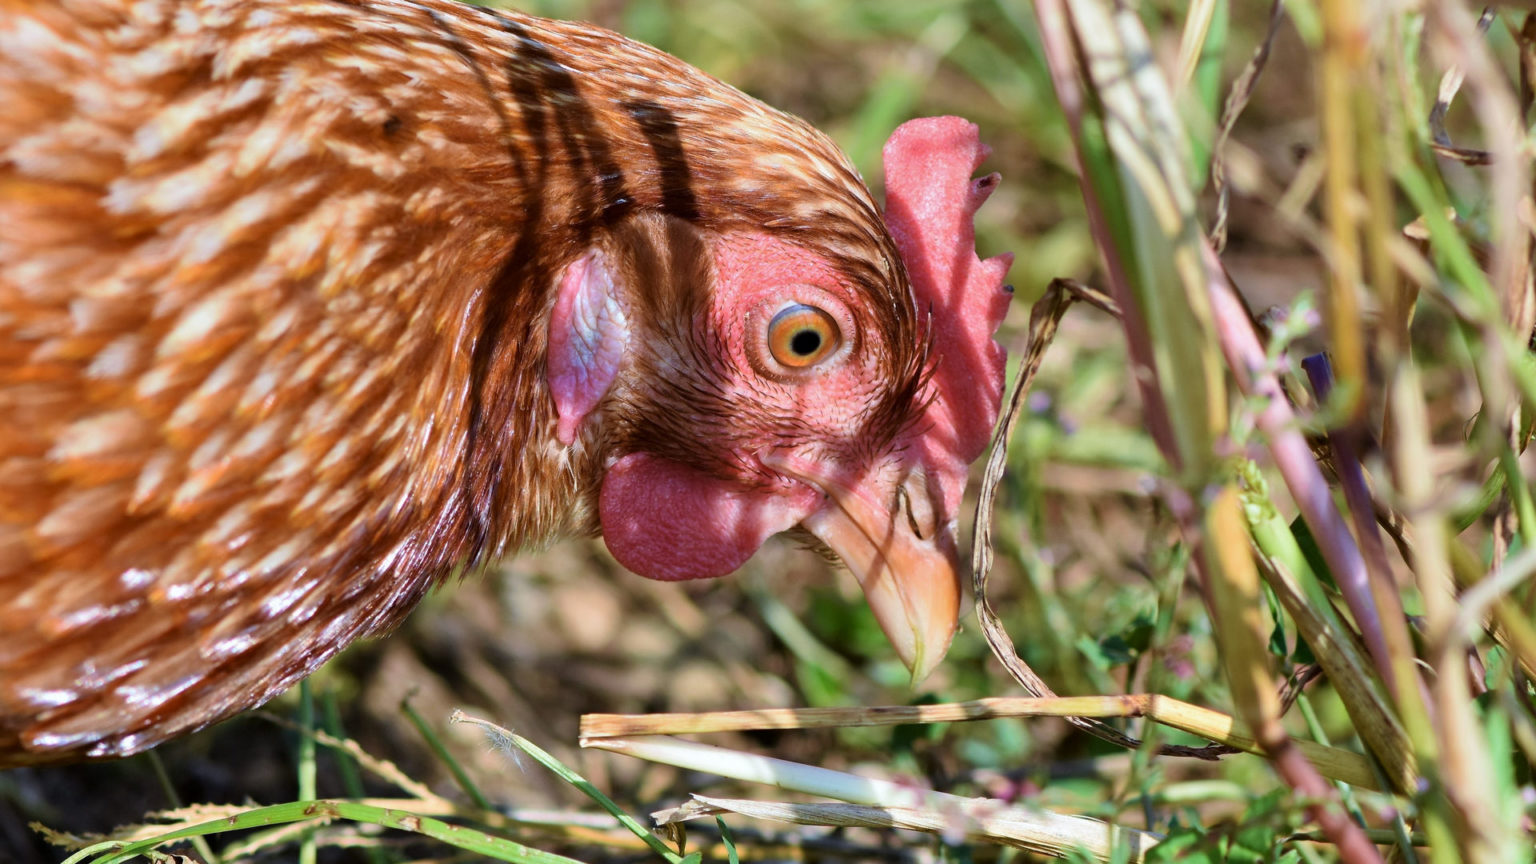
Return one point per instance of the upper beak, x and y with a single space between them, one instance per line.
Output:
883 526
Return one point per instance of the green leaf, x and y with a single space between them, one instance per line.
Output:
468 839
728 840
1185 843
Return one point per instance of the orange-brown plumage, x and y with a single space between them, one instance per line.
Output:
277 283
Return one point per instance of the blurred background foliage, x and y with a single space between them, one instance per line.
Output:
1091 581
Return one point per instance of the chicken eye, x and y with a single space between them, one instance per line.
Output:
800 336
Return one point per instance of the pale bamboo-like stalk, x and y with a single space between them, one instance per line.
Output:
1344 60
977 818
1011 826
1057 38
1197 25
1213 725
1410 452
1348 123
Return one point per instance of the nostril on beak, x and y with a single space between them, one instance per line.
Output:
904 503
917 503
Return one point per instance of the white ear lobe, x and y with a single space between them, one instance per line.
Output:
588 338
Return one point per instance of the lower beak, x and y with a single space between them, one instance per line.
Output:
904 558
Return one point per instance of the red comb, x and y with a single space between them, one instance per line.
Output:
930 199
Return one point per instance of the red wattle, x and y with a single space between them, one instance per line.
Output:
665 520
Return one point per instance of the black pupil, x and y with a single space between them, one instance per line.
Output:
805 342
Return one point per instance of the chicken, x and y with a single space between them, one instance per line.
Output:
307 306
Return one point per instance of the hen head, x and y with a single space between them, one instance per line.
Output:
793 394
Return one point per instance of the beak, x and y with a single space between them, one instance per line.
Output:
905 559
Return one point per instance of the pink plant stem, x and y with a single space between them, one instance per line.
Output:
1245 356
1353 844
1355 587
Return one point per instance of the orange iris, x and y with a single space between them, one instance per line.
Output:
800 336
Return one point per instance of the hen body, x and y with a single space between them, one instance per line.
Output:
277 284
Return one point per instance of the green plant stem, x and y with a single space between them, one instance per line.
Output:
346 766
174 799
306 765
478 842
505 739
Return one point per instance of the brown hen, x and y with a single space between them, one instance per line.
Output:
305 306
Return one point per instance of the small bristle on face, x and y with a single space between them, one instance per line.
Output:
931 199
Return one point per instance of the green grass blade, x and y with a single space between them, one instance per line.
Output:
505 739
320 812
